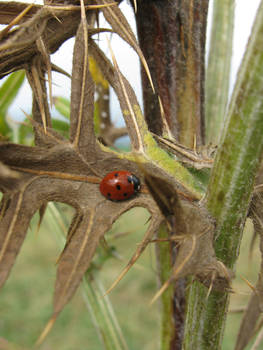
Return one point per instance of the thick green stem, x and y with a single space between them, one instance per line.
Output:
230 189
173 299
218 68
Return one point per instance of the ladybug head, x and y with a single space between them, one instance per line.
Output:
135 181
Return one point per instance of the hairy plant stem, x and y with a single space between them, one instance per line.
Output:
218 68
230 190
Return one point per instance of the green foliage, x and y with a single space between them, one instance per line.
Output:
62 105
8 92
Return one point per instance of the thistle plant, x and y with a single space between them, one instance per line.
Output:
198 196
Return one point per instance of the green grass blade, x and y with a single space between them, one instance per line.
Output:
8 92
25 135
103 314
62 105
61 126
230 189
218 69
9 89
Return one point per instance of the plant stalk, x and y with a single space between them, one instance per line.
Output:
218 68
172 37
173 298
230 190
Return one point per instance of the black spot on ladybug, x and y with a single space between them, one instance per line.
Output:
125 194
108 194
118 187
116 174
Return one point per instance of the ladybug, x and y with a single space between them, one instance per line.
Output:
119 185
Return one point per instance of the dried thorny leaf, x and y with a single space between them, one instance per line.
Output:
130 107
41 113
81 247
193 229
49 24
121 26
108 132
62 170
9 10
82 96
15 21
199 159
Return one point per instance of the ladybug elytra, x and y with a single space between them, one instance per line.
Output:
119 185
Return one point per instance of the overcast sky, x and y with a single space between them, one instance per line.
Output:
127 59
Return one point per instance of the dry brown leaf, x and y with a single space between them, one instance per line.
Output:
80 249
35 76
48 171
13 229
15 21
9 10
132 113
199 159
120 25
19 48
193 229
82 96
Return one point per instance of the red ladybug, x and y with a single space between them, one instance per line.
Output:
119 185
